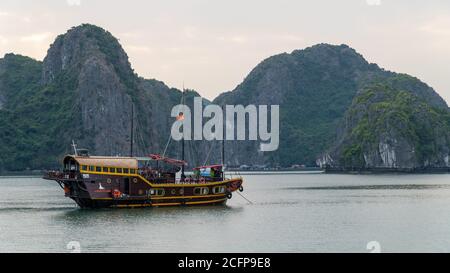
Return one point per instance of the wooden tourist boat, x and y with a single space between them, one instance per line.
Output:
100 182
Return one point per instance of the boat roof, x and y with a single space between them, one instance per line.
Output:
106 161
120 162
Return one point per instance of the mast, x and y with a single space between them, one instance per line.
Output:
74 148
132 129
182 142
223 143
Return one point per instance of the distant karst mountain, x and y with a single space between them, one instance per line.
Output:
83 90
334 106
388 127
315 89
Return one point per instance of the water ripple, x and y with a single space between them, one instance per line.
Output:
376 187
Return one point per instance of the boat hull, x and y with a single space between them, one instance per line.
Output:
107 191
97 204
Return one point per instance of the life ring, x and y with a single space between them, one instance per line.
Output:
135 180
66 189
202 180
229 195
116 193
108 181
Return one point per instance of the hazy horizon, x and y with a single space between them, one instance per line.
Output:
212 46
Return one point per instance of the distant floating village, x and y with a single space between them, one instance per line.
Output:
266 167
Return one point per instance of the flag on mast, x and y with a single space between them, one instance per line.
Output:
180 116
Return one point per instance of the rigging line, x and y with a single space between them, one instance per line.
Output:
191 152
170 136
245 198
137 134
167 146
188 151
140 138
209 152
139 129
141 133
136 137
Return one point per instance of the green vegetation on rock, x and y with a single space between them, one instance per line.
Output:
416 134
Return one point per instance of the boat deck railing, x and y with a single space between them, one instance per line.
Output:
58 175
190 179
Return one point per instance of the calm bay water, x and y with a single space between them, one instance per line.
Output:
290 213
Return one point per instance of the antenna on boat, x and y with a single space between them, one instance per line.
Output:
182 141
132 129
74 147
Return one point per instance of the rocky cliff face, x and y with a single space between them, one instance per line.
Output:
84 90
388 126
314 88
102 86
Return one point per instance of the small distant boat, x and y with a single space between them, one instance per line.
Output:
152 181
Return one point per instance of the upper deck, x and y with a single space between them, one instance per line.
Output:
153 169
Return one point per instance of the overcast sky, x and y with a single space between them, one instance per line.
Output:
212 45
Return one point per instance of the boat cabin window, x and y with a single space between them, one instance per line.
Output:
71 165
145 163
157 192
219 190
201 191
100 169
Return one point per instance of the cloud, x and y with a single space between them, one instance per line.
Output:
138 48
190 32
73 2
439 26
239 39
373 2
37 37
292 38
3 40
174 49
130 34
